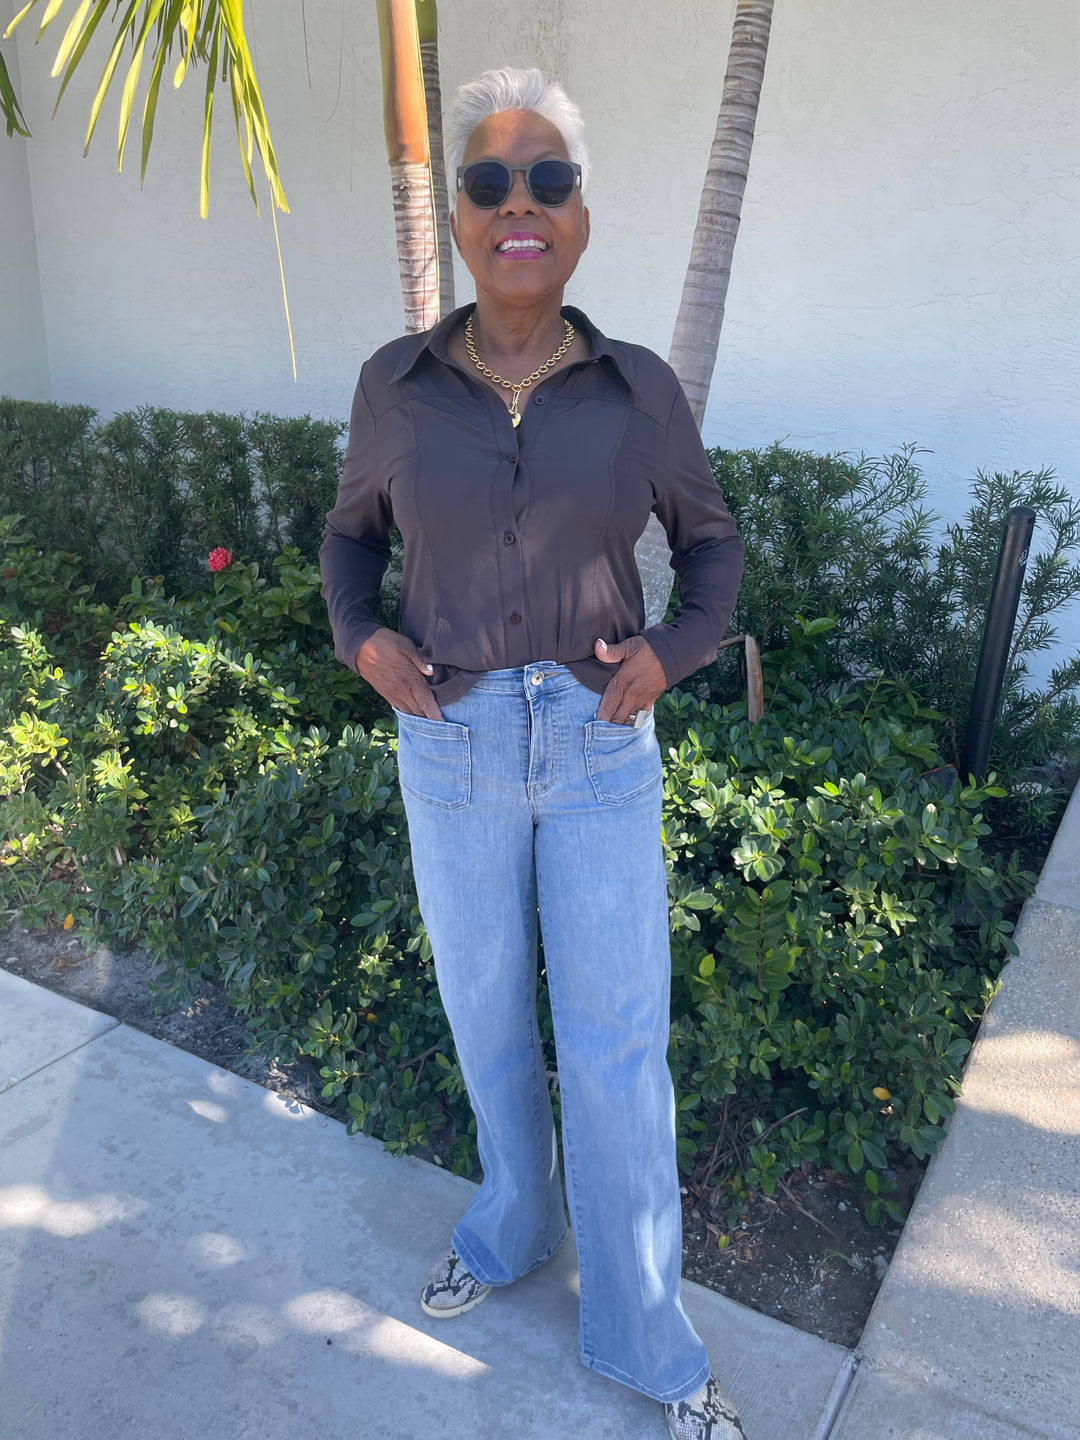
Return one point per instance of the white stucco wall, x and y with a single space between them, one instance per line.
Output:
24 363
907 268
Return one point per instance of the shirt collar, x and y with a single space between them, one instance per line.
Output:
435 341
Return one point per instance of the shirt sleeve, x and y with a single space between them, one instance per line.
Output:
356 540
706 550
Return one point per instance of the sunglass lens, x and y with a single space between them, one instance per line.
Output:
552 181
487 183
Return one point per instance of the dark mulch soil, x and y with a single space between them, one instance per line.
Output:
807 1257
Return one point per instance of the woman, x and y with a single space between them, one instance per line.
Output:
519 451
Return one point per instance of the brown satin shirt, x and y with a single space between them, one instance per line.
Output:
519 543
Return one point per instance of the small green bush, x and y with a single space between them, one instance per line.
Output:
837 928
832 537
201 775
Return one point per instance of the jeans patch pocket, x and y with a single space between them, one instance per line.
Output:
434 760
622 762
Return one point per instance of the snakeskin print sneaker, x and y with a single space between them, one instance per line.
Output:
706 1415
450 1289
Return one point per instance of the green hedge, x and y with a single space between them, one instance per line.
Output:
828 537
153 491
201 775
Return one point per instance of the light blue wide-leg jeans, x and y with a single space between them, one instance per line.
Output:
521 800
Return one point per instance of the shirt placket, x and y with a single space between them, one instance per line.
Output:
510 501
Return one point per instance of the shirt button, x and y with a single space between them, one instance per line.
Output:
515 618
538 399
509 537
512 457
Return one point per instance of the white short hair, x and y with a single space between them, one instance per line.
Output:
509 89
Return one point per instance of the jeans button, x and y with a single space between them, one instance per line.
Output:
536 679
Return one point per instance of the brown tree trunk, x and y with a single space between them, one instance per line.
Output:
427 24
415 231
701 311
405 124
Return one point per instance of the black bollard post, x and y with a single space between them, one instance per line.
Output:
997 635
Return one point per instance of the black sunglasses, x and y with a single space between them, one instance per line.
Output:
487 183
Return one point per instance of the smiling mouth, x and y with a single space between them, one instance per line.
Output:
522 247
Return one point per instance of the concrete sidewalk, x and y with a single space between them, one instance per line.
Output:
186 1254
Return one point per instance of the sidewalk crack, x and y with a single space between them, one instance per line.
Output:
845 1378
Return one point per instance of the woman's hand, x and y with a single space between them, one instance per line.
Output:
637 684
391 664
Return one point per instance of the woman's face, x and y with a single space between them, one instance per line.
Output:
517 138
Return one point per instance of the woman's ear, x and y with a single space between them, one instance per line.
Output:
453 230
585 223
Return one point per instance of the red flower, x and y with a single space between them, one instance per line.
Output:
219 558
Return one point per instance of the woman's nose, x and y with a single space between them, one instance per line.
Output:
519 200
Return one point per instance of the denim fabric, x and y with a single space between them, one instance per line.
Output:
521 801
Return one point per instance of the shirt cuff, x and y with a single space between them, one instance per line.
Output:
671 652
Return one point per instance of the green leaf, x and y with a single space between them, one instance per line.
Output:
699 900
239 113
150 111
19 16
71 35
78 49
14 119
51 10
208 111
127 100
108 72
874 1154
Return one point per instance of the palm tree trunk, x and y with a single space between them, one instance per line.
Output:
427 25
701 311
405 124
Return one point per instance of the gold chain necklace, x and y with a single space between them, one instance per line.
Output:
521 384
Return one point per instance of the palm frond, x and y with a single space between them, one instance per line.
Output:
14 119
71 36
205 31
152 12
